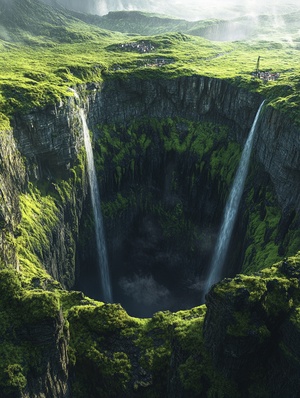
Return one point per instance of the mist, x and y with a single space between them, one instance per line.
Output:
187 9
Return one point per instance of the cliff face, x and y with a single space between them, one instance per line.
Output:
12 181
50 336
34 340
194 98
199 98
277 148
50 141
199 191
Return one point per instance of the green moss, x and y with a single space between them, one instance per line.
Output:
274 291
243 325
21 311
263 214
4 122
295 318
109 369
15 379
117 205
39 218
63 51
113 354
224 163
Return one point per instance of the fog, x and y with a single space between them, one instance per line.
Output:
187 9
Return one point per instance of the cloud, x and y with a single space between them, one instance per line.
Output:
144 289
186 9
197 285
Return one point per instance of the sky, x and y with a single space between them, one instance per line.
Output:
188 9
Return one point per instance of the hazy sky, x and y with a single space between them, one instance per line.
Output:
190 9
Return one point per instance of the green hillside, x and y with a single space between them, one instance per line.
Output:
284 28
45 50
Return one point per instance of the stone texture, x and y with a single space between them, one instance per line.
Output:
12 181
51 337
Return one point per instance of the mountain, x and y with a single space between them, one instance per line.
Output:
29 14
190 9
264 27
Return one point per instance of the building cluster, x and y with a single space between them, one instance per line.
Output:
158 62
149 63
266 76
141 47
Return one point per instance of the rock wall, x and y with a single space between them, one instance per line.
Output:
49 138
277 147
196 98
51 379
12 181
49 143
199 98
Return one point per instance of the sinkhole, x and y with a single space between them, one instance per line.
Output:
164 185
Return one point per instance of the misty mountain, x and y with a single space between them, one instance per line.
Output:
188 9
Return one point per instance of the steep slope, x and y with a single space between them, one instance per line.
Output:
29 15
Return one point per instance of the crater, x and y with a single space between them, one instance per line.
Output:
162 211
166 154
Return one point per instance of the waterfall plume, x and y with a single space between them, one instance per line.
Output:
96 205
231 210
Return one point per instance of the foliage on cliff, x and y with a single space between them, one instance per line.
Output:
124 152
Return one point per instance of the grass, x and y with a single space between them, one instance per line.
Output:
40 60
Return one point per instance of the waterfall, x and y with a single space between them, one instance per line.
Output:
96 205
231 210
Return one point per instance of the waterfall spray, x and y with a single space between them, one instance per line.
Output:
231 210
96 205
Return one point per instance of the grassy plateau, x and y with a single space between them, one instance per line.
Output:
44 51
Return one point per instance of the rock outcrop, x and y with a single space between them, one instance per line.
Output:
34 341
251 331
